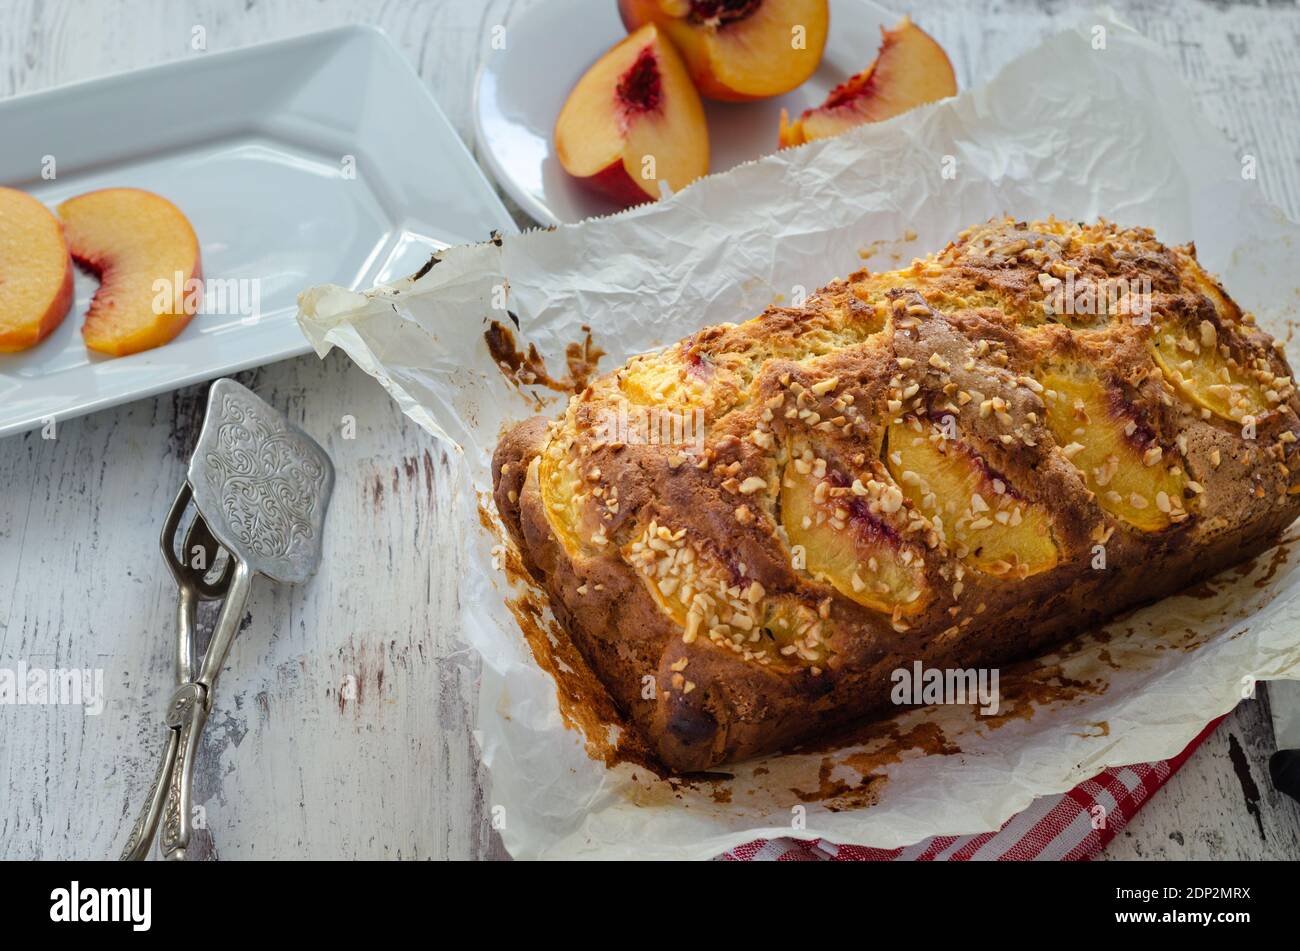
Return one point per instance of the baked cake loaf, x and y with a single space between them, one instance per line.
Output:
964 462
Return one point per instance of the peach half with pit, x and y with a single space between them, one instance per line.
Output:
739 50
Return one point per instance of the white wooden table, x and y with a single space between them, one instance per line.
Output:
295 764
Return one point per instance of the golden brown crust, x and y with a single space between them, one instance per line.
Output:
962 462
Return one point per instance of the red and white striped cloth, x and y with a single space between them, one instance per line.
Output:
1053 828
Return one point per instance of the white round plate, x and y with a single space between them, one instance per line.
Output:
548 46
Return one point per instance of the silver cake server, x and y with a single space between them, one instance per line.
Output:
259 487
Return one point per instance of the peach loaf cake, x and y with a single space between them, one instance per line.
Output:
964 462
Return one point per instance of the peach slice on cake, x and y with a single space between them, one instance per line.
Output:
35 271
1119 458
1204 370
848 538
147 258
910 69
737 50
796 630
976 510
632 121
560 485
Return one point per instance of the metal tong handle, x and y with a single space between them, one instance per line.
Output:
141 838
171 793
189 713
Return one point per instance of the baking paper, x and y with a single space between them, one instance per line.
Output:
1092 123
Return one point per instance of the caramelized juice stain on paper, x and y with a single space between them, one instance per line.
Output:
528 368
867 750
1028 686
839 795
1279 557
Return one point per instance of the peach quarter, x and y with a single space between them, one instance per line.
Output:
632 121
910 70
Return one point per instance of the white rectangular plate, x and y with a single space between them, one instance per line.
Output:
321 159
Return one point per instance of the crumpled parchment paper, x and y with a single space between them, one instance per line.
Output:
1067 129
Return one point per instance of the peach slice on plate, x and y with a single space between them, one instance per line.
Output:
634 120
1198 367
147 258
976 510
739 50
847 543
1120 459
910 69
35 271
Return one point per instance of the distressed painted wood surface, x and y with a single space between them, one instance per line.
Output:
343 724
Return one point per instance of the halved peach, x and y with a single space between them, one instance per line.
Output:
910 69
979 514
35 271
147 258
1119 458
1195 364
632 121
737 50
848 545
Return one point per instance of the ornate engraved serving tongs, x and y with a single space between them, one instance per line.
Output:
259 487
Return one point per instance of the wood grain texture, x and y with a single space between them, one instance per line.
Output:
342 725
